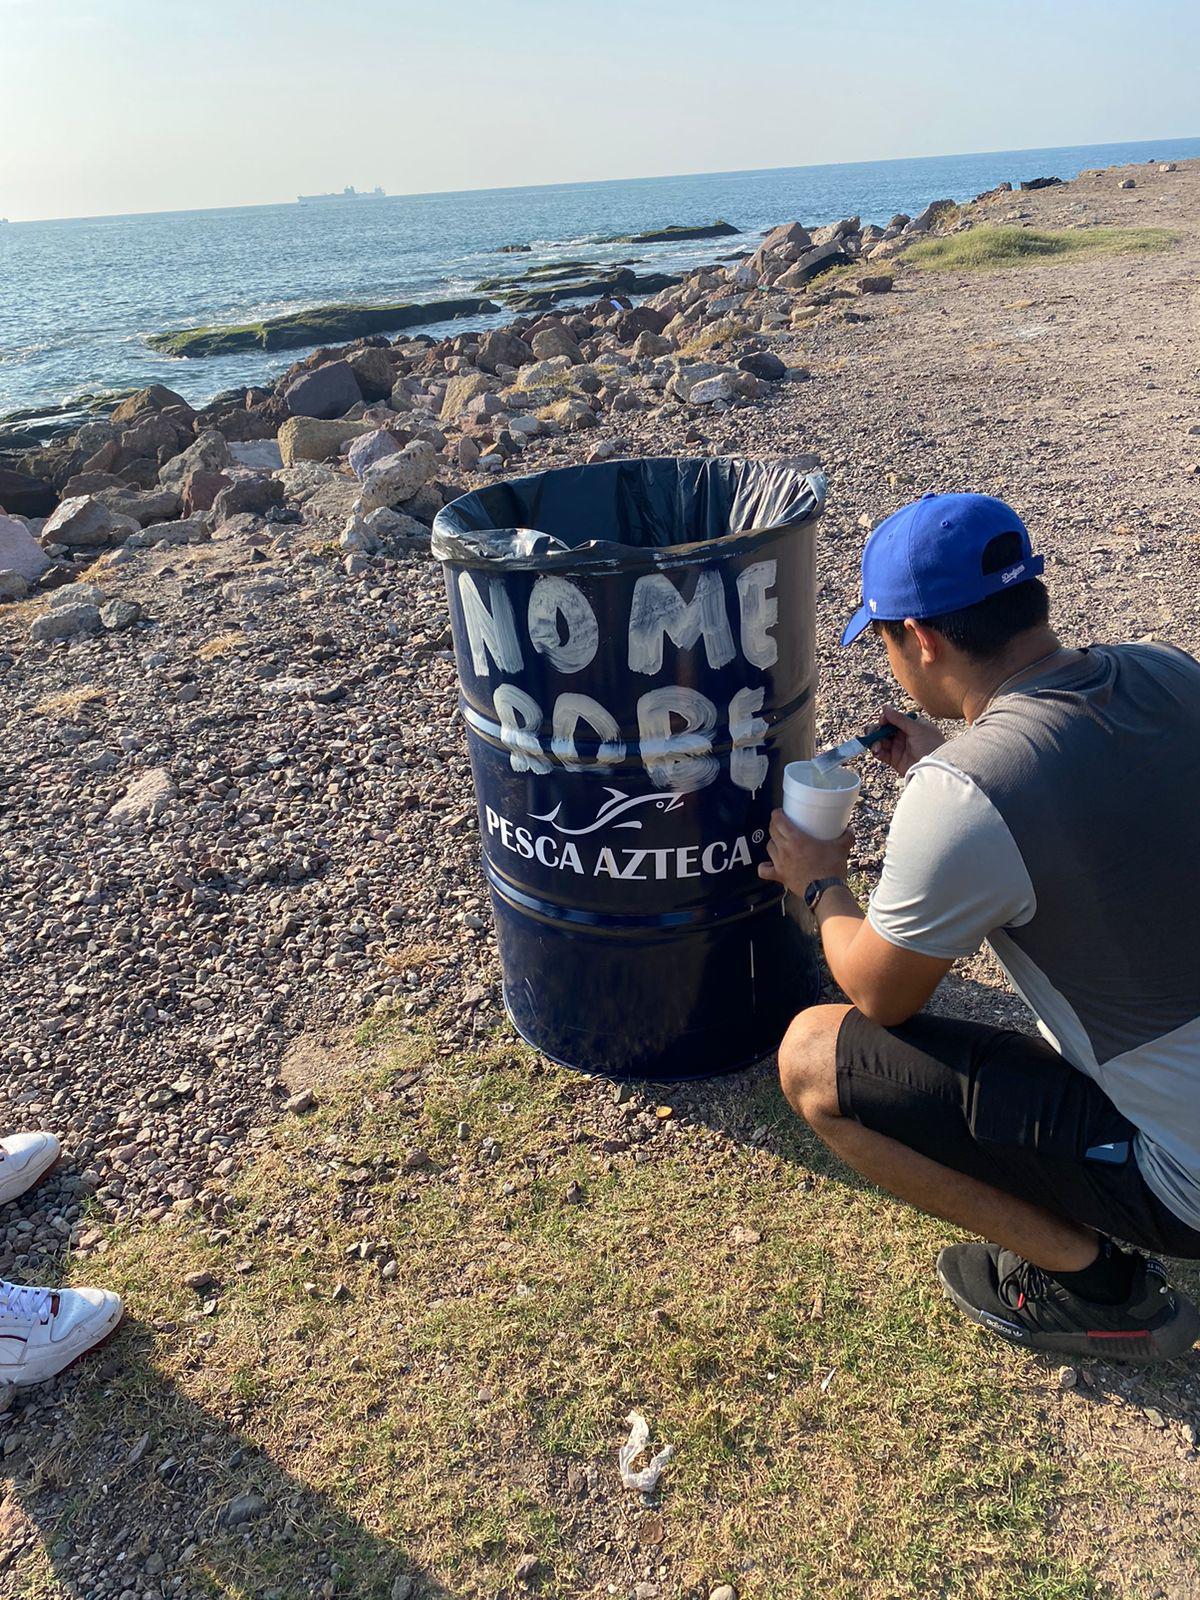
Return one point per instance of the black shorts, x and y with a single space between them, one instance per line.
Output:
1007 1109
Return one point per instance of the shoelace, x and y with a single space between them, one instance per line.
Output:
23 1303
1023 1282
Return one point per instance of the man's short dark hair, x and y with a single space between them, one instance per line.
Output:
985 630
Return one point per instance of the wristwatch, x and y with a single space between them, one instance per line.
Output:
817 888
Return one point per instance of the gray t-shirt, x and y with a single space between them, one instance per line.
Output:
1063 828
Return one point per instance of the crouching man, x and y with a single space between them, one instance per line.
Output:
1062 827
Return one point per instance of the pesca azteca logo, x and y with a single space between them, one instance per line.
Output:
616 806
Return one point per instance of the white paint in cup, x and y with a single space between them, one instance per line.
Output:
819 802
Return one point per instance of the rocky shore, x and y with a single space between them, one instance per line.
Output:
238 808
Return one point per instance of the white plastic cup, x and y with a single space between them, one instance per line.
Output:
819 802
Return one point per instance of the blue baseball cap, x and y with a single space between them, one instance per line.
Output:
927 559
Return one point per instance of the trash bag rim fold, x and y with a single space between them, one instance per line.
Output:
497 526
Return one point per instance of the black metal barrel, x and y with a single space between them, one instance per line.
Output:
634 643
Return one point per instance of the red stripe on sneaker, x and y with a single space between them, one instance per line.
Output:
1104 1333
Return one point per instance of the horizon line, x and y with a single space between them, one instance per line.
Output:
585 183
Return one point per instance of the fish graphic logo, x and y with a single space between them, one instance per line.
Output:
616 806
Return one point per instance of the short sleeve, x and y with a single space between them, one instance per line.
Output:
952 872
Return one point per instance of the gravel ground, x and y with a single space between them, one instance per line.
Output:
301 834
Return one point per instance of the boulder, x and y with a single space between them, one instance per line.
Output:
398 476
924 220
326 391
155 398
835 230
570 415
151 436
394 528
374 371
544 372
310 439
484 405
25 496
554 341
818 259
459 390
787 233
261 455
1127 183
707 391
647 345
210 453
187 530
763 364
1039 183
92 435
86 523
12 585
92 483
20 552
117 614
876 283
369 448
500 348
65 621
200 489
247 494
146 505
628 326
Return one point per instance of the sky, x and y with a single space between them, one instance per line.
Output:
111 106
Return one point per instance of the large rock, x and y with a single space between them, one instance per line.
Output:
25 496
818 259
556 341
628 326
247 494
310 439
326 391
374 371
88 524
200 489
92 483
64 622
187 530
571 415
210 453
459 390
540 373
20 552
153 435
397 477
788 233
835 230
500 348
707 391
261 455
369 448
763 364
156 398
146 505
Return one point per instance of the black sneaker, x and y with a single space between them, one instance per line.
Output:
1021 1303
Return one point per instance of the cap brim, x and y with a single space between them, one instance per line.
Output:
859 623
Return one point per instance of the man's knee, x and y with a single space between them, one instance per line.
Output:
808 1062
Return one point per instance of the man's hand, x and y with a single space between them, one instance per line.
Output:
913 739
797 858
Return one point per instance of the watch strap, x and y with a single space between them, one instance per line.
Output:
812 895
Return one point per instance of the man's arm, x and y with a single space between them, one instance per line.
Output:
886 983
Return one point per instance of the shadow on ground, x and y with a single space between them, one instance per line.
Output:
117 1483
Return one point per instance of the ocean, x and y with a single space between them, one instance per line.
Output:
79 296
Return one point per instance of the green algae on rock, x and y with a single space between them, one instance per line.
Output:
321 325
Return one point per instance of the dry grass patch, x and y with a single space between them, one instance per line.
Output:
69 702
221 644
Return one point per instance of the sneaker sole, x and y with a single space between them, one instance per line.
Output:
1168 1343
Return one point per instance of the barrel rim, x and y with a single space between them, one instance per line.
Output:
492 551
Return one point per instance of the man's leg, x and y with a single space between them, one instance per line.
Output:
808 1077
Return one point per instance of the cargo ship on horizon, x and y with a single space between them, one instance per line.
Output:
348 193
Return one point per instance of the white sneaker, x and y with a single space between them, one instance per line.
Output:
44 1330
25 1159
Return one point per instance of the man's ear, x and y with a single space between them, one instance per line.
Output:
929 644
